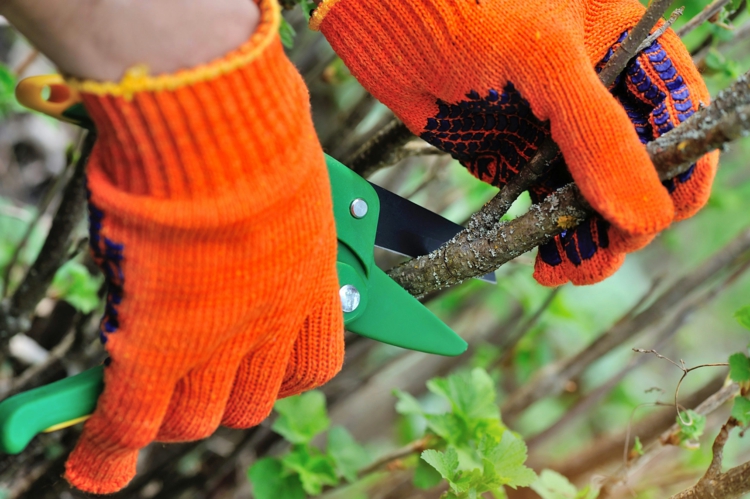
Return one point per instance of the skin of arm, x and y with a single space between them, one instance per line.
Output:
101 39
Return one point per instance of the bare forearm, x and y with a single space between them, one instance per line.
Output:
101 39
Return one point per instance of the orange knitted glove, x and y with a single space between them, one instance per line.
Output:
478 80
211 217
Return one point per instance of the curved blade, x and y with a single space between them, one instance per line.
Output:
408 229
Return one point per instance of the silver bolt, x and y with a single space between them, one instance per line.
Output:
358 208
349 298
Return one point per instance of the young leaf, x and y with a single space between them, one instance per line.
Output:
348 456
406 403
739 367
270 482
743 316
425 476
472 395
446 463
508 458
315 470
74 284
691 425
286 33
301 417
638 446
741 410
552 485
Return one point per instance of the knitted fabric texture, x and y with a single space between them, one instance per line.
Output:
211 217
480 79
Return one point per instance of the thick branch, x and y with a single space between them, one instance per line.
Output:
717 485
475 252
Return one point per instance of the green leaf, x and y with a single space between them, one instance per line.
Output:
508 458
425 476
743 316
8 101
74 284
301 417
447 427
719 63
552 485
693 426
407 404
638 446
315 469
270 482
471 395
286 33
739 367
741 410
446 463
348 456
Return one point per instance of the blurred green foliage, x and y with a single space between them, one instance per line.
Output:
72 282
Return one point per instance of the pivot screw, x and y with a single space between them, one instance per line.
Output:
349 298
358 208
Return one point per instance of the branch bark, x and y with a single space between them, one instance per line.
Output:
717 485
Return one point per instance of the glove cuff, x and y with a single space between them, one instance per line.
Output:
204 139
320 12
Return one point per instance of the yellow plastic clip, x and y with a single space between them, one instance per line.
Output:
30 93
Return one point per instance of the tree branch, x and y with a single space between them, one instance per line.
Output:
707 13
54 252
476 251
715 484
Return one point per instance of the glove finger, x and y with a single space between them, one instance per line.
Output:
200 398
693 188
257 382
665 80
603 152
127 417
318 353
582 255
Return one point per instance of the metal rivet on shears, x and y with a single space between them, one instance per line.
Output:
349 298
358 208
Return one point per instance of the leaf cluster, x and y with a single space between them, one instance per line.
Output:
306 469
475 453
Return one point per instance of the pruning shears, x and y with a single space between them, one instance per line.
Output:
373 304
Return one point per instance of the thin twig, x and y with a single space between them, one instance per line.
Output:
685 372
661 30
551 381
14 311
707 13
412 448
41 210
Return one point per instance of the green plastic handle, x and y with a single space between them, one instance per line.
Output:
63 402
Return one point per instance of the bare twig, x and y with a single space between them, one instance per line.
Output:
685 372
14 312
412 448
552 380
632 43
41 210
707 13
661 29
